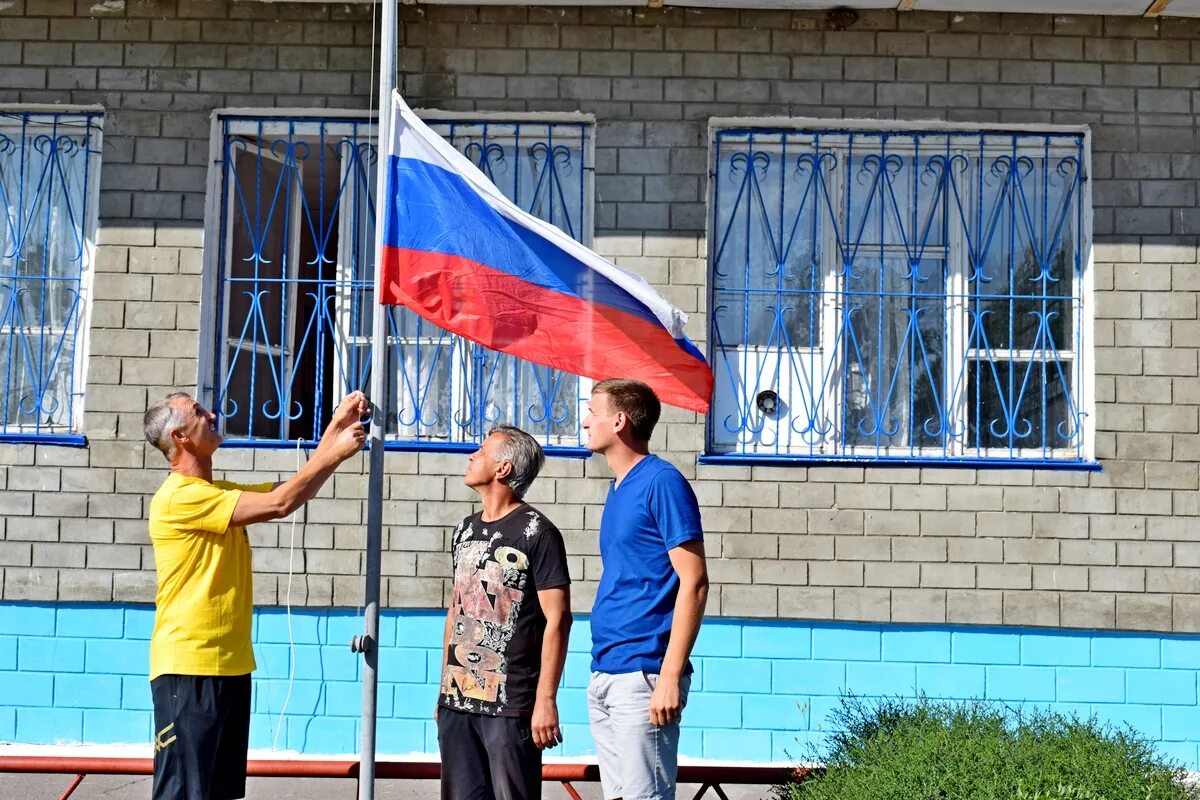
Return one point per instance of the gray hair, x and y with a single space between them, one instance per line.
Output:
160 419
524 453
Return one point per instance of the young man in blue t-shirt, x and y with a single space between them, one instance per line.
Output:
650 600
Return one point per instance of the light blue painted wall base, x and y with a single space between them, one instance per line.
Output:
762 691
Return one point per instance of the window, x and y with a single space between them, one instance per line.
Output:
49 170
292 283
913 296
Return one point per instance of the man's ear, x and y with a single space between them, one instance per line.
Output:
178 435
620 422
504 470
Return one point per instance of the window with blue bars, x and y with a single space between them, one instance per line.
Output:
49 169
293 279
900 296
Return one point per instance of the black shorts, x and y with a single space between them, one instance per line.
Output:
488 758
202 733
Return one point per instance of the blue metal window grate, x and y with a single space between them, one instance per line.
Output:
899 296
49 166
295 273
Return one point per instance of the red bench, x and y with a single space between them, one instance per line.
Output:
709 776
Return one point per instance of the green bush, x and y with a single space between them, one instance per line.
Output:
894 749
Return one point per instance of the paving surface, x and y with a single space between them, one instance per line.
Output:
137 787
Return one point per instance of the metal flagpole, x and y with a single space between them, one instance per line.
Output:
368 644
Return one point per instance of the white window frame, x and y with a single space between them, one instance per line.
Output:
209 362
72 433
826 450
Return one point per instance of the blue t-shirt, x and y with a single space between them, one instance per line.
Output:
651 512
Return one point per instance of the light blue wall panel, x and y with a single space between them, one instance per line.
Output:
762 691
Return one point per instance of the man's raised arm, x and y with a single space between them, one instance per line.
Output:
344 437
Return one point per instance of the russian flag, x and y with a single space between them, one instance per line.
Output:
461 255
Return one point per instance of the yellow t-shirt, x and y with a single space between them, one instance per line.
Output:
205 598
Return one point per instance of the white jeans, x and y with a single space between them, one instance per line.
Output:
638 761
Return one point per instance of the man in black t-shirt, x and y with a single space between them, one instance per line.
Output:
506 631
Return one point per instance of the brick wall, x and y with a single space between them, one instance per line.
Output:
1105 550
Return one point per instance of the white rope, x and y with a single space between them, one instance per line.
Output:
376 308
299 442
288 605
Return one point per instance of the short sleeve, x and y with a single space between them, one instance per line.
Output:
260 488
458 532
204 507
675 509
548 558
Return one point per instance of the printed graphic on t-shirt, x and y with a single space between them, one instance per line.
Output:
496 621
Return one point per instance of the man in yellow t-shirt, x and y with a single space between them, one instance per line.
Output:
200 653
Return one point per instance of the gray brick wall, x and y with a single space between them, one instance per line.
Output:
1115 549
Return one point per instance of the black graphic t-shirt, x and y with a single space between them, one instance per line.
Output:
497 624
